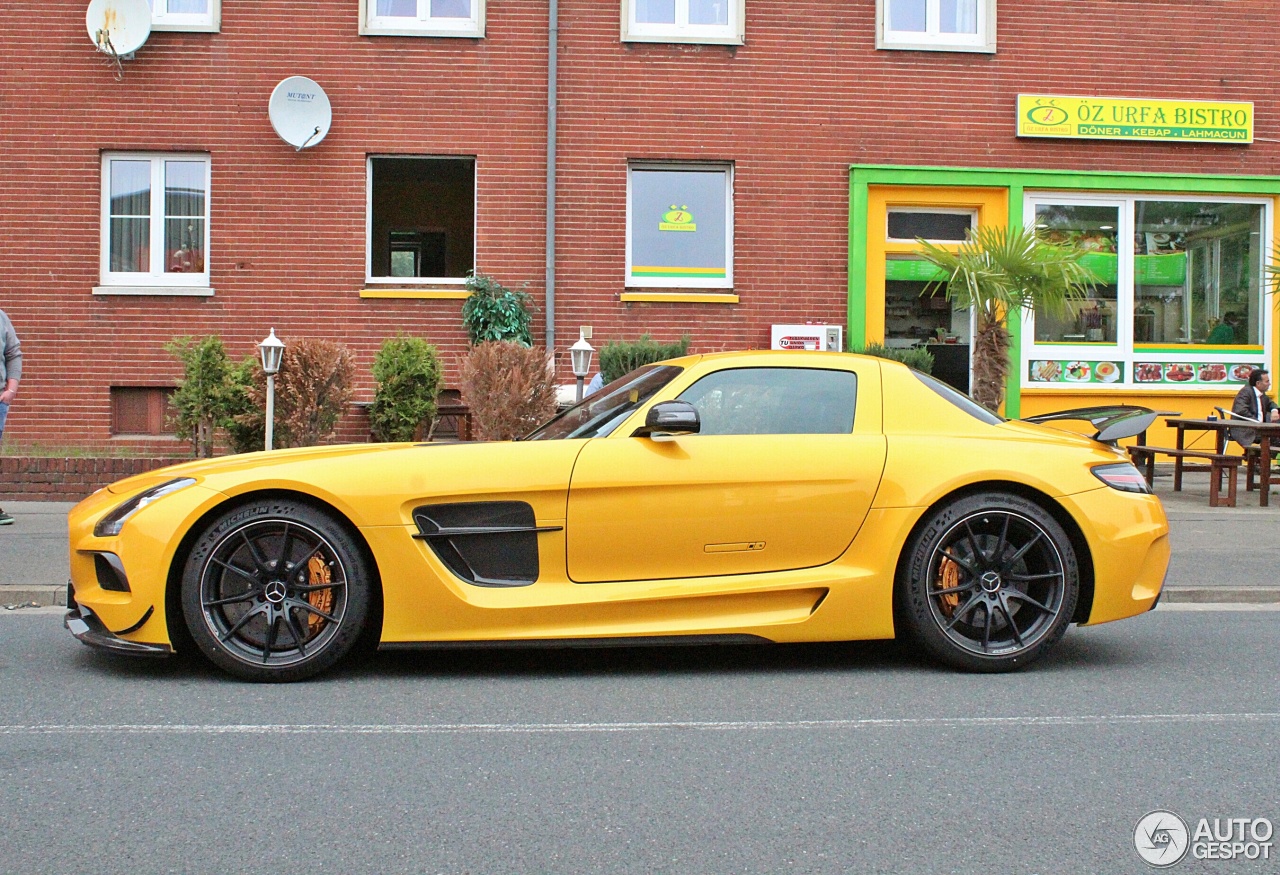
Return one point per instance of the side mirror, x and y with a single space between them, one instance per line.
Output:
667 419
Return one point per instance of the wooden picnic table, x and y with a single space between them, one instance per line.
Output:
1221 429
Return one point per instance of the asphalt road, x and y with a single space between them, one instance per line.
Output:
824 759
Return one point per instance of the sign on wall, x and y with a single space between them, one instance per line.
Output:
1106 118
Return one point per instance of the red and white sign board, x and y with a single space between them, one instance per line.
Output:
818 337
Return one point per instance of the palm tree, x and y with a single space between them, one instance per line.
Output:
1000 272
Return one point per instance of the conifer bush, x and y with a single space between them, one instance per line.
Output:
407 372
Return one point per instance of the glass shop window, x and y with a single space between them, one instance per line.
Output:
1094 228
1197 272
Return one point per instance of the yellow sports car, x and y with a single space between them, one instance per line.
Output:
760 496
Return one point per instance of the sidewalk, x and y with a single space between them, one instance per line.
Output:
1220 554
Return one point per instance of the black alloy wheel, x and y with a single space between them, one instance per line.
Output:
275 591
991 582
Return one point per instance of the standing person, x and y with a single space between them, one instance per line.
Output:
10 374
1252 403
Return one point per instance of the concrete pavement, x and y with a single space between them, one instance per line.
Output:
1220 555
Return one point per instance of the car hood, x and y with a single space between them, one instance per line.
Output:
250 463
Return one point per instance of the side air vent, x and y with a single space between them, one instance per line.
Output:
110 571
487 543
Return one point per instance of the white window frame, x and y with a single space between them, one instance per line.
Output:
155 281
934 40
208 22
732 33
369 278
649 282
371 24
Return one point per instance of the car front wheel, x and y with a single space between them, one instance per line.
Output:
275 590
990 583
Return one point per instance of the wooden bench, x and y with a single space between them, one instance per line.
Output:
1144 457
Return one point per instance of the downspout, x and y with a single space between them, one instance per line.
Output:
553 26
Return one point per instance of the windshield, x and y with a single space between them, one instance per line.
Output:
601 412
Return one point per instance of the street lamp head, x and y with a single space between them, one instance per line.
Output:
580 354
272 350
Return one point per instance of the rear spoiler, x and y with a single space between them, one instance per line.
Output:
1113 421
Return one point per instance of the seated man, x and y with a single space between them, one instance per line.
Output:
1252 403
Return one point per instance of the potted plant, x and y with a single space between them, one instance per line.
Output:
1000 273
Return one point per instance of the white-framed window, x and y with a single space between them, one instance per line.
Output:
936 25
680 225
684 21
155 223
421 220
1180 298
190 15
463 18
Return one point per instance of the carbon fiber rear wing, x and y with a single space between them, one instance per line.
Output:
1113 421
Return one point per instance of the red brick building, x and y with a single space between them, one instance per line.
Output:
759 115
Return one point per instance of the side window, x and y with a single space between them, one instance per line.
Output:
155 224
421 219
775 401
936 25
189 15
463 18
683 21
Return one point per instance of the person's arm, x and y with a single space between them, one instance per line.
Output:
1241 405
12 359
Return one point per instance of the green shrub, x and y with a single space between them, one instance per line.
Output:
914 357
407 371
509 389
494 312
247 428
206 397
624 356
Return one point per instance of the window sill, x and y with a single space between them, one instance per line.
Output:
684 39
186 28
434 34
177 291
966 48
678 298
420 294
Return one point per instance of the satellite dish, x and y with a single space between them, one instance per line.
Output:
118 27
300 112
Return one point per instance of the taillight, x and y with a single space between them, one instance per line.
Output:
1122 476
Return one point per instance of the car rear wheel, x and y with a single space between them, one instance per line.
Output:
275 590
990 583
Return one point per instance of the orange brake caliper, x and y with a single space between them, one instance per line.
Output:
948 578
320 599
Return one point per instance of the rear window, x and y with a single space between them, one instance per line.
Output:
964 402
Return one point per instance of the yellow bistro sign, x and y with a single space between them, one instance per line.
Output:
1107 118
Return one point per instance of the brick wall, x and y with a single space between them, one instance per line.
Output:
66 479
805 97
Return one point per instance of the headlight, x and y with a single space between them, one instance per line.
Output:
1122 476
111 524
